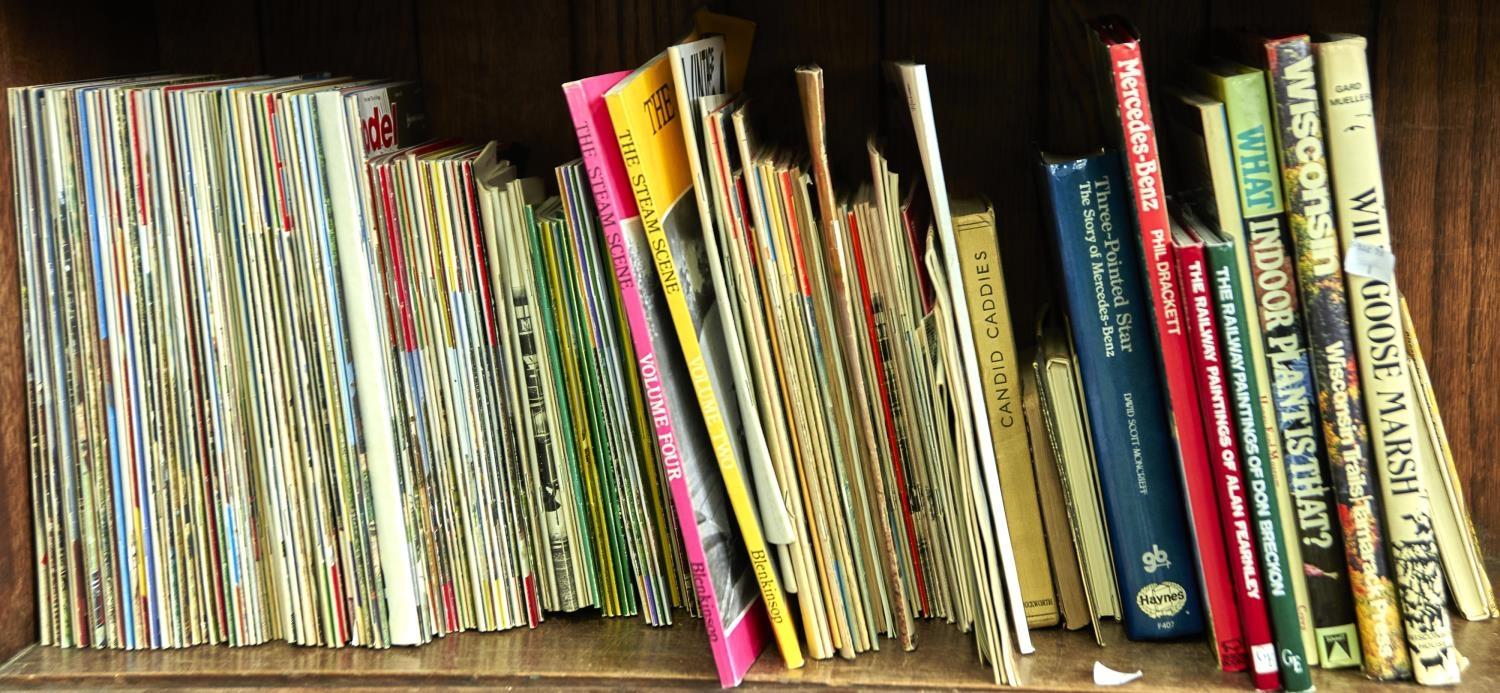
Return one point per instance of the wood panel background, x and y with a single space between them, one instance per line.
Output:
1008 76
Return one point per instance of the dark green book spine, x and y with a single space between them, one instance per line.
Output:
1233 310
1325 310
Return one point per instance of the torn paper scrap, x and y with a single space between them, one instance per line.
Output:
1105 676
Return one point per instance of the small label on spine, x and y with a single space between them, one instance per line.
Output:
1371 261
1263 658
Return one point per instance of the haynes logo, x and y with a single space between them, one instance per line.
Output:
1161 599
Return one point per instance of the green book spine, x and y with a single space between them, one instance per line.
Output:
1320 280
1268 267
1245 388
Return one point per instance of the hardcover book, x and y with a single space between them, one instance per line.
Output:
984 281
1123 93
1276 338
1106 298
1065 421
1234 312
1320 280
1257 652
646 117
1374 306
1062 552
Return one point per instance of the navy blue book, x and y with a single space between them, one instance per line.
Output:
1095 241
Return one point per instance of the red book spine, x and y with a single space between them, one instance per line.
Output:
1132 104
1254 634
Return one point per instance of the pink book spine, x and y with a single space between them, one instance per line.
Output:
735 647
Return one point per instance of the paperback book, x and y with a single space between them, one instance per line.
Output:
649 131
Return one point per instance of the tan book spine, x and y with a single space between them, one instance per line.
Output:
995 345
1062 553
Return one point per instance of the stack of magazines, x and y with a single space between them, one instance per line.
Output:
298 373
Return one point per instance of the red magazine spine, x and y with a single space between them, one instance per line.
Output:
1254 635
1132 104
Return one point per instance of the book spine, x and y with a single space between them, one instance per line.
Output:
984 283
1458 541
1254 638
1318 533
1132 105
1234 315
1320 279
1072 604
1142 503
651 145
1364 229
1276 339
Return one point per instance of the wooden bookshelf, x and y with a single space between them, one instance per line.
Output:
1007 76
626 653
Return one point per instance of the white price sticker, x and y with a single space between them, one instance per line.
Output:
1371 261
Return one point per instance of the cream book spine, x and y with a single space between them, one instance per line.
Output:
1374 308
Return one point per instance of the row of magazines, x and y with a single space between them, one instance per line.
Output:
299 370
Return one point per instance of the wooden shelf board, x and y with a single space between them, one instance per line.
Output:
590 652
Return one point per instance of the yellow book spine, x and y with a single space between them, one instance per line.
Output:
647 122
984 284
